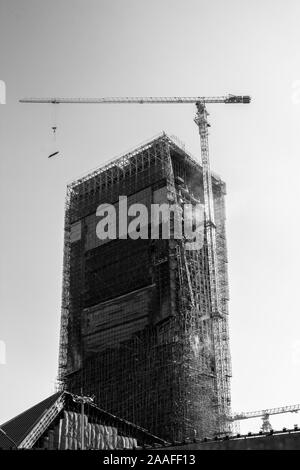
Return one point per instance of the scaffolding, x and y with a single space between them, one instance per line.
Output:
170 373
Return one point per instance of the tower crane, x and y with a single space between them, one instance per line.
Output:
265 415
218 314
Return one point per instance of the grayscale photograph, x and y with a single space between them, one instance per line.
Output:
150 225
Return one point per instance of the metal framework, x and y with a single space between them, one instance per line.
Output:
265 415
43 423
218 280
227 99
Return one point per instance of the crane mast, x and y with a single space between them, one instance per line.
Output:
218 314
218 319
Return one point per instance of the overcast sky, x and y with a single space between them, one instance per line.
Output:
94 48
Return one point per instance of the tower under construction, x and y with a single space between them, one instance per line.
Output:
139 328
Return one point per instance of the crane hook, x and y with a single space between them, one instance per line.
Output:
54 128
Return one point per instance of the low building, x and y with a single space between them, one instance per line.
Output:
56 423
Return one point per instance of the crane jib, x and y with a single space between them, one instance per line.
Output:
143 100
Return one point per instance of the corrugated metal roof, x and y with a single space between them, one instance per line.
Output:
17 428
